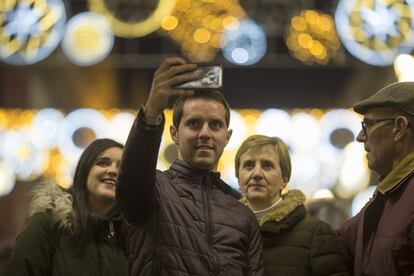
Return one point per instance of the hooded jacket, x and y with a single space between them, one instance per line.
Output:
295 244
184 221
47 246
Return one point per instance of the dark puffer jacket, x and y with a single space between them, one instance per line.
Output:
185 221
47 247
295 244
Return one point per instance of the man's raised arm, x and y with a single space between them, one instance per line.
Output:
136 191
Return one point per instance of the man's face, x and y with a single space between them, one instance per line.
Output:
202 133
378 140
260 176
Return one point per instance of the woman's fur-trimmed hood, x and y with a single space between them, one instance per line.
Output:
49 197
291 200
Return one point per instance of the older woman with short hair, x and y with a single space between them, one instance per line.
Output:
293 243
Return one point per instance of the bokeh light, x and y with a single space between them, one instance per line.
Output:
133 27
30 30
245 45
361 199
7 178
404 67
48 143
376 32
88 39
197 26
312 37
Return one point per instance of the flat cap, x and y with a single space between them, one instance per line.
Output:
399 96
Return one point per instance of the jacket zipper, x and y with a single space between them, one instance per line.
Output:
209 224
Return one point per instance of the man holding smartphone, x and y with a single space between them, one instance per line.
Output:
186 220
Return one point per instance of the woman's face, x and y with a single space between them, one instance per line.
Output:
260 176
103 176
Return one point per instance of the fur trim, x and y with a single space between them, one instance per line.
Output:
48 196
291 200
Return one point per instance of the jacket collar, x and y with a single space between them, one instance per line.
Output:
398 175
202 176
48 196
190 171
291 201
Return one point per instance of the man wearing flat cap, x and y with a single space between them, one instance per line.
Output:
379 240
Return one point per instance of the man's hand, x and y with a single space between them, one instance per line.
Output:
171 72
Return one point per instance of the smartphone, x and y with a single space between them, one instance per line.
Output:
211 77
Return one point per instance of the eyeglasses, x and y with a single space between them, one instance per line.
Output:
368 123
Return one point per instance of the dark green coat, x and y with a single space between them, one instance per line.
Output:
295 244
46 246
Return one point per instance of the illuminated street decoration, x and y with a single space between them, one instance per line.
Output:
48 143
24 154
120 125
131 27
336 120
30 30
275 122
304 125
361 199
81 119
46 123
7 178
312 37
198 25
404 67
353 176
376 32
88 38
246 44
239 128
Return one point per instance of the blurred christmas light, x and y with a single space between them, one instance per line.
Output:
323 194
198 25
354 174
169 23
339 119
47 122
24 153
376 32
88 39
312 37
361 199
131 27
304 125
27 146
81 119
404 67
245 45
275 122
239 128
30 30
7 178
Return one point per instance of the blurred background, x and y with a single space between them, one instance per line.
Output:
72 71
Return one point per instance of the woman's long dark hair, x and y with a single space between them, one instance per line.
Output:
80 190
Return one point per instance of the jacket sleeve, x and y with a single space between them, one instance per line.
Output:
34 248
136 191
255 265
326 256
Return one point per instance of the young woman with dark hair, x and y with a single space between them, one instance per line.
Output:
74 232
